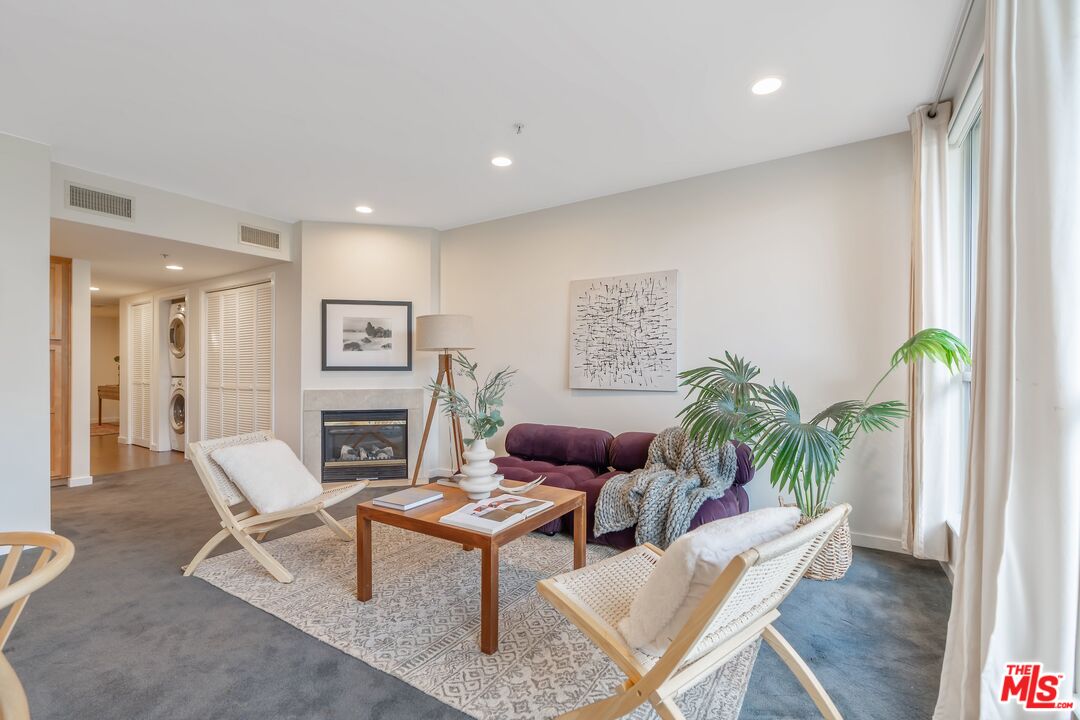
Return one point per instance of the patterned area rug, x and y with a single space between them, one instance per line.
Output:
104 429
423 621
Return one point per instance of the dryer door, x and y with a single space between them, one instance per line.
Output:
177 336
176 412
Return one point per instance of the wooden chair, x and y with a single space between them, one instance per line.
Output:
740 607
56 554
250 527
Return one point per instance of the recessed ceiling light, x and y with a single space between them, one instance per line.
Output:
766 86
501 161
174 267
364 210
94 289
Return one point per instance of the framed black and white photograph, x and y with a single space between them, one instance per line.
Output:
366 335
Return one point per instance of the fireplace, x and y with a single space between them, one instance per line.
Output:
365 445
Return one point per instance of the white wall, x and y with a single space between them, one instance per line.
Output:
799 264
104 346
80 373
168 215
24 321
343 261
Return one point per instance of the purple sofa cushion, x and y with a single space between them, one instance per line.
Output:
560 444
514 468
744 455
630 450
572 457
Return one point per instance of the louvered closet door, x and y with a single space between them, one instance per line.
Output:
239 361
140 331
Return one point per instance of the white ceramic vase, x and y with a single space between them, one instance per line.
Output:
480 472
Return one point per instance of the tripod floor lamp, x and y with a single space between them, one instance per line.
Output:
443 334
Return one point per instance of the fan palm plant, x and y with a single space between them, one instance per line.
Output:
728 404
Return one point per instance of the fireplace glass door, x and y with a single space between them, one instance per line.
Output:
365 444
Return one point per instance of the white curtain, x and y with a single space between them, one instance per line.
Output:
933 442
1016 596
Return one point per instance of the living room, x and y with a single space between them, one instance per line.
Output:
756 293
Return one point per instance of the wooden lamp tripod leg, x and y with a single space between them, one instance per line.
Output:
427 423
446 374
455 422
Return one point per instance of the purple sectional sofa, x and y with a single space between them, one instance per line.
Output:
584 459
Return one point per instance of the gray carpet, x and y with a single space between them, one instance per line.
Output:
121 634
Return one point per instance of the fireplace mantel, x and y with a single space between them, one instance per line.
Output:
317 400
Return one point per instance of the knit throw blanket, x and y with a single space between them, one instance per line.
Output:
663 497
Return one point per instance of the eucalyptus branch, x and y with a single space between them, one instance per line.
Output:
482 413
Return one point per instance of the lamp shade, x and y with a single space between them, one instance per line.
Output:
444 332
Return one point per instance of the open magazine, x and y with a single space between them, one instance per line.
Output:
495 513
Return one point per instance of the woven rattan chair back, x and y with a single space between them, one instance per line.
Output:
54 555
737 610
249 527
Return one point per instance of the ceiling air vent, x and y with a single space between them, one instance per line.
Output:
260 238
98 201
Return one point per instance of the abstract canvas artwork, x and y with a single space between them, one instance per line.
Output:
622 332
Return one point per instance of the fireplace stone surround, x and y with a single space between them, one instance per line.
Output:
317 400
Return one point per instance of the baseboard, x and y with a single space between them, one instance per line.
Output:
877 542
106 420
948 571
953 525
122 439
80 481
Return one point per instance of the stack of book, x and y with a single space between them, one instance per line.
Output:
448 478
407 499
496 513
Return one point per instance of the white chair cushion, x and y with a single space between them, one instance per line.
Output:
686 571
269 474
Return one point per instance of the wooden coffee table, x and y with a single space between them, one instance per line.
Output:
425 520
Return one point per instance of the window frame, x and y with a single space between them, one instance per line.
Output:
964 137
970 158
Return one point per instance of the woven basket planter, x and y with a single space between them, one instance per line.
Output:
835 557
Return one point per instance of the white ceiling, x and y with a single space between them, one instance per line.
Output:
303 110
125 263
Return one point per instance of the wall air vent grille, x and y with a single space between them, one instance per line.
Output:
259 237
98 201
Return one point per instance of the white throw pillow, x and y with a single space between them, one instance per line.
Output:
269 475
688 569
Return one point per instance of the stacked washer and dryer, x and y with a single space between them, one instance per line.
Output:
178 370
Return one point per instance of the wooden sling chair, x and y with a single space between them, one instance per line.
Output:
56 554
740 607
250 527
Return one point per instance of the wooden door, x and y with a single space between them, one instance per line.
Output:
60 367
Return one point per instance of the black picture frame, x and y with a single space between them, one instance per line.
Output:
362 368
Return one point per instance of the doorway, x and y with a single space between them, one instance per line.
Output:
137 304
